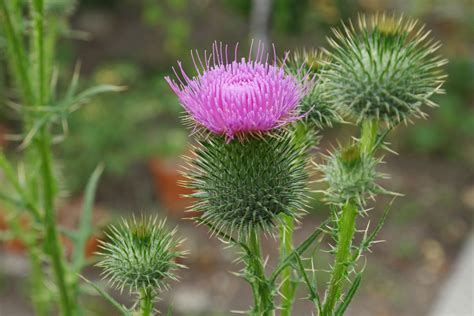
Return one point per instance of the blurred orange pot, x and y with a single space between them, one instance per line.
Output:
168 189
68 216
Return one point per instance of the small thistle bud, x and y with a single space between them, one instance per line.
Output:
243 186
320 111
385 70
140 255
350 175
306 61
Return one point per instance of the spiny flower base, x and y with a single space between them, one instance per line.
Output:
243 186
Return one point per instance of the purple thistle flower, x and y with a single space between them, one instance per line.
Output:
238 97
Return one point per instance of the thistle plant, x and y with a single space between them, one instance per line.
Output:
254 122
248 170
381 75
31 190
141 255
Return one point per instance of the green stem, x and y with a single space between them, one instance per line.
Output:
38 294
54 247
343 253
261 289
38 52
346 225
17 51
146 303
368 136
288 287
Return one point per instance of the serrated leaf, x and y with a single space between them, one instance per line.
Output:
313 290
298 251
122 309
350 294
85 220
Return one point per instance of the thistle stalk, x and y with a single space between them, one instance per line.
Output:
346 233
146 302
288 288
261 290
54 248
38 297
39 301
347 225
53 245
368 136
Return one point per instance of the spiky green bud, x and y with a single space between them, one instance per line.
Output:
386 69
140 255
320 111
243 185
350 176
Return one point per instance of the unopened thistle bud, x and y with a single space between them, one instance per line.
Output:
320 111
350 176
140 255
386 69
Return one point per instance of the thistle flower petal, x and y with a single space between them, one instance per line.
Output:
238 96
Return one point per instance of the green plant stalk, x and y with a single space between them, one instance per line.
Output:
17 53
53 245
146 303
262 293
54 248
346 233
368 136
38 294
38 297
288 287
346 226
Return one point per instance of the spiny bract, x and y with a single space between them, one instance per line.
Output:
320 111
140 254
385 70
243 186
350 176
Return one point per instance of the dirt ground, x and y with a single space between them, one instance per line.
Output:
423 234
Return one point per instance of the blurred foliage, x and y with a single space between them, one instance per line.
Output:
287 15
453 120
124 128
171 17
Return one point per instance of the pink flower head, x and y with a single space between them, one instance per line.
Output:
237 97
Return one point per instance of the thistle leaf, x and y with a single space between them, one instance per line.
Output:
350 294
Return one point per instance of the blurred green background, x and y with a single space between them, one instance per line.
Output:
139 136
